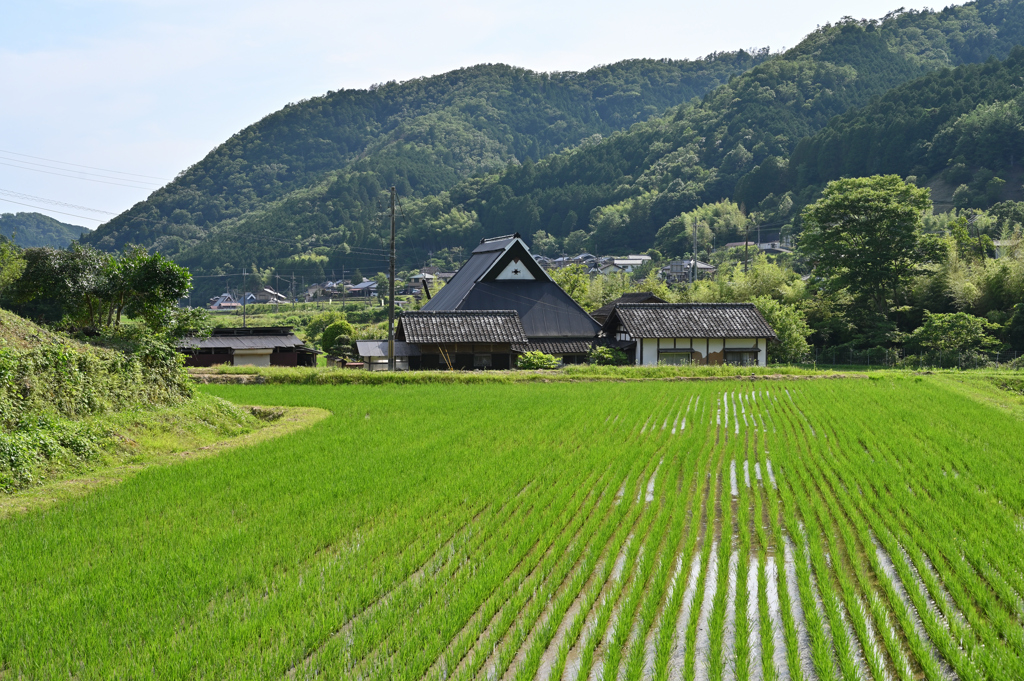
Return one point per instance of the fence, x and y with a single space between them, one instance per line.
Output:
898 358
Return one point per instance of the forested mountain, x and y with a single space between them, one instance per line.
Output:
962 126
30 230
423 136
493 149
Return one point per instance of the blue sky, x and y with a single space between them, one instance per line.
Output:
149 87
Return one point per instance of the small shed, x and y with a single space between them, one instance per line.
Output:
250 346
690 333
463 339
374 354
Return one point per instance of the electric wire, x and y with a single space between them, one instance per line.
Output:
78 165
75 177
71 170
51 210
29 197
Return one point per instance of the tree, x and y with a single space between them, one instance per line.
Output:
864 234
544 243
577 241
318 323
336 331
574 281
954 332
790 325
12 263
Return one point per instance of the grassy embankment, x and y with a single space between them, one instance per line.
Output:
505 527
70 411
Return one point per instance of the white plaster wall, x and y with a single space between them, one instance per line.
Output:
254 358
650 354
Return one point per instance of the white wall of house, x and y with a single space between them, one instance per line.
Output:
650 350
256 357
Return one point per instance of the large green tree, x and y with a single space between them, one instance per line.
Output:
864 235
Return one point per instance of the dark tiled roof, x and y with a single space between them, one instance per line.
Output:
462 326
691 320
601 313
555 347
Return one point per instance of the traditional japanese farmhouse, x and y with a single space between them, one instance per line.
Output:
690 333
253 346
462 339
501 274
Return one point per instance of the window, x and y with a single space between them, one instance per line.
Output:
673 358
744 359
482 361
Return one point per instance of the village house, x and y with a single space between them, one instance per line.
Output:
224 301
261 346
690 333
462 339
600 315
501 274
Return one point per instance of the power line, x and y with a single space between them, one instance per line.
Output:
50 210
75 177
29 197
106 170
83 172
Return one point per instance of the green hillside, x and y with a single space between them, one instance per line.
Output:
493 149
423 135
31 230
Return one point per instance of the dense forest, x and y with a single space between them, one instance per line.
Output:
619 159
31 230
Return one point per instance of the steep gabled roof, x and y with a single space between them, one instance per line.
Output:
502 275
690 320
461 326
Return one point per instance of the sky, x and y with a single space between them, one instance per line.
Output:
103 101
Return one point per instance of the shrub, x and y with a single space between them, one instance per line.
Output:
604 356
537 360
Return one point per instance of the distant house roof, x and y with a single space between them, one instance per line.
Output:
503 275
254 337
461 326
690 320
601 313
556 347
379 348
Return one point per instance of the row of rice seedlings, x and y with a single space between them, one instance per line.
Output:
811 537
486 644
821 646
944 632
876 606
989 525
774 510
543 637
710 545
765 626
642 660
716 621
627 644
851 600
598 584
667 626
603 616
560 520
743 649
936 632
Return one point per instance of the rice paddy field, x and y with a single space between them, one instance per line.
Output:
791 529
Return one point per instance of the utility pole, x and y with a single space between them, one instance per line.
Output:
292 291
244 296
693 264
344 290
746 247
391 290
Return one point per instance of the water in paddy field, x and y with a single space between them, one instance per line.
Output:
729 630
678 657
734 488
754 621
803 637
703 642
